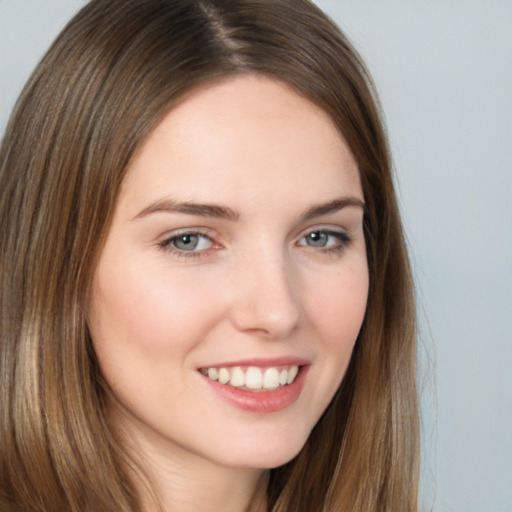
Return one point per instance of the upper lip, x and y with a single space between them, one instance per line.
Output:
261 362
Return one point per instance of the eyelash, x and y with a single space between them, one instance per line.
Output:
343 240
166 245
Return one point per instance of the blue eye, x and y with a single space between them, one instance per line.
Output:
323 239
317 239
187 242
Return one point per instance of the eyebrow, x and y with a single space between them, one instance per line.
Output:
190 208
333 206
225 212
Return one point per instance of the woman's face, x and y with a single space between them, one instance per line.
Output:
235 257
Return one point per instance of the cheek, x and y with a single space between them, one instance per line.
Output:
335 308
338 304
137 312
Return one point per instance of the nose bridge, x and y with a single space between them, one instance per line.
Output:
266 299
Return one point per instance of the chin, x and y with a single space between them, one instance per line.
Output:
266 455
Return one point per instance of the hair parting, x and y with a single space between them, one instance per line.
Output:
116 69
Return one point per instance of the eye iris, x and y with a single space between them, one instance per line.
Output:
317 239
186 242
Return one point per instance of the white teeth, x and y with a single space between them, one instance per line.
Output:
292 374
223 376
253 378
237 377
213 373
271 378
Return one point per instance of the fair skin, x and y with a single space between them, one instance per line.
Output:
236 251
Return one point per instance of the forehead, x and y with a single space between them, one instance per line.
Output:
247 135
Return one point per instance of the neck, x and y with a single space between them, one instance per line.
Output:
189 489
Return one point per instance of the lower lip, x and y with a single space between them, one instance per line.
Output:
261 401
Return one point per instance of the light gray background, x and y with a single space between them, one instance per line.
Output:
444 72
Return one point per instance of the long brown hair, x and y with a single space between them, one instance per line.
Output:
106 82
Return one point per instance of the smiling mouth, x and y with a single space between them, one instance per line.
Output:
253 378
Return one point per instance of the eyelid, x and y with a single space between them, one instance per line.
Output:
166 241
165 244
324 228
340 233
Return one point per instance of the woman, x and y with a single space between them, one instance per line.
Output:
206 298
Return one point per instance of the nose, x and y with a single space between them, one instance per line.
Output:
265 298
